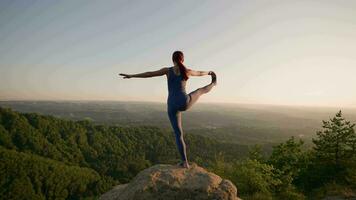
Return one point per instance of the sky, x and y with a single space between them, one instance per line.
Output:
264 52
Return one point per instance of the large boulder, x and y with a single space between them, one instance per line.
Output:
168 182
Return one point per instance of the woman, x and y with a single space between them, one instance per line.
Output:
178 99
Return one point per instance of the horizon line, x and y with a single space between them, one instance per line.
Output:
163 102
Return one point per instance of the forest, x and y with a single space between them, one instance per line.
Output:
45 157
232 123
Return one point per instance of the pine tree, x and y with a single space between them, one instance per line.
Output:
335 144
288 156
335 148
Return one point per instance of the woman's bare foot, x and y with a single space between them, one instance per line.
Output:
183 164
213 78
186 165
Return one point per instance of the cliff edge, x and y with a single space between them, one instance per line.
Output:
168 182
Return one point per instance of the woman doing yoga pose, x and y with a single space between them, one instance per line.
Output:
178 100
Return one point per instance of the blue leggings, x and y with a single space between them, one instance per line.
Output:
175 117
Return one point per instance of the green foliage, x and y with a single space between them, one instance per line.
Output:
255 153
27 176
219 165
5 138
288 156
110 151
333 189
290 160
336 144
227 123
334 152
43 157
253 177
330 165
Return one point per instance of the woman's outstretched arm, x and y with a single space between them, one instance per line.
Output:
198 73
160 72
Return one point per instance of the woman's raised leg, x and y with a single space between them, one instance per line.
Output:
194 96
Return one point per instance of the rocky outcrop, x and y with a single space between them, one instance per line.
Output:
168 182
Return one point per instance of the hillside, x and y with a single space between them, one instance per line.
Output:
232 123
94 157
28 176
44 157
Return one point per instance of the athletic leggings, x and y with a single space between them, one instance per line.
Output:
175 116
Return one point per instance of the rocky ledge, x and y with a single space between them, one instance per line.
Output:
168 182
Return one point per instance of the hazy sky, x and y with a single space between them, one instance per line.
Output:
271 52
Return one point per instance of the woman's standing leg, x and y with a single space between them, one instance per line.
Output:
175 118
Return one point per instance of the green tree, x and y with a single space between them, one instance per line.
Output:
288 157
332 160
255 179
255 153
335 144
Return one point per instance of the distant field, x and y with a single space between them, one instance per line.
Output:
235 123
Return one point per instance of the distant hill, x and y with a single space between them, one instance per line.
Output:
237 123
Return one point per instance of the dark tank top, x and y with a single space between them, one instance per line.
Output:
176 89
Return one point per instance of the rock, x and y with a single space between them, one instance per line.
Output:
168 182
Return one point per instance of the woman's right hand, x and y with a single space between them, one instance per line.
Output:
126 76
